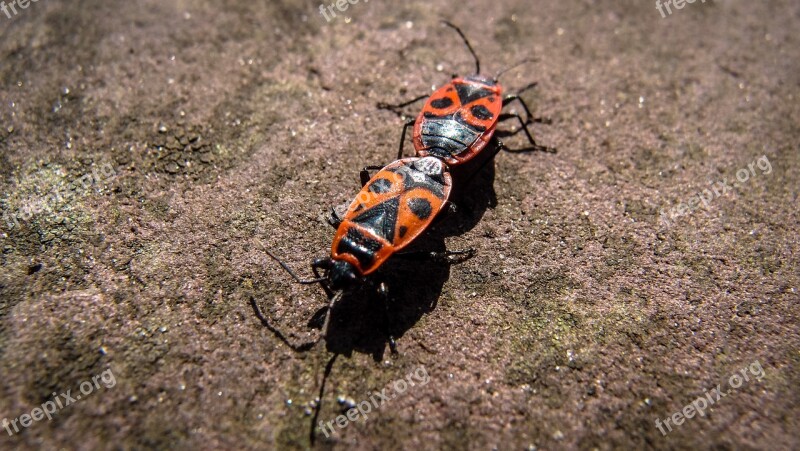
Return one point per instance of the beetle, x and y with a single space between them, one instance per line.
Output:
393 208
403 199
460 118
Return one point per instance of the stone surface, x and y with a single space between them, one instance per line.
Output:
151 151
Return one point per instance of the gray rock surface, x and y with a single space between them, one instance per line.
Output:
151 151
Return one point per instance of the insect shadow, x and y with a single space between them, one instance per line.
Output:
363 323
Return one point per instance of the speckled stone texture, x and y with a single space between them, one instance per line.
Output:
605 294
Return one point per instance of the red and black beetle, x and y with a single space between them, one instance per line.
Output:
392 209
460 118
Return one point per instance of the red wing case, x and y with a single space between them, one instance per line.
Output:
392 209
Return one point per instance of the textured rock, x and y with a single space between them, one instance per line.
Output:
586 315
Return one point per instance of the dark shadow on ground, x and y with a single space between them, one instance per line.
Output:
358 322
361 321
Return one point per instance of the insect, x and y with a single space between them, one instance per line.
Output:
393 208
403 199
398 203
459 119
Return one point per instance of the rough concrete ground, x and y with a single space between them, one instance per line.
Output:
232 127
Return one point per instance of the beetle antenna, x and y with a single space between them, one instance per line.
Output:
328 368
525 61
469 46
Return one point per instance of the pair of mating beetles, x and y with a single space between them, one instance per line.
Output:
456 129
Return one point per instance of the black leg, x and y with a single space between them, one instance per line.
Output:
523 123
323 263
384 292
523 126
334 300
535 120
443 256
490 159
396 108
516 97
526 88
450 208
365 173
409 123
386 106
529 119
333 219
534 145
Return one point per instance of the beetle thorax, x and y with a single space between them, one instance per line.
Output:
488 82
429 166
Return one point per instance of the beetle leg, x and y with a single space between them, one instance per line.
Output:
395 108
409 123
450 207
320 262
333 219
513 97
324 263
384 292
524 127
510 98
364 174
334 300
